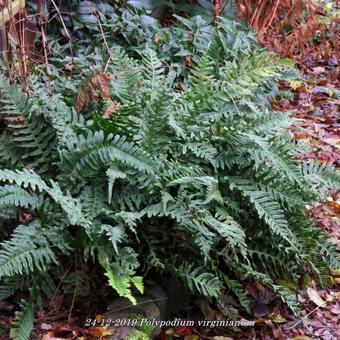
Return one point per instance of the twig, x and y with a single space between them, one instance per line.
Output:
306 316
74 293
63 23
94 11
137 304
43 36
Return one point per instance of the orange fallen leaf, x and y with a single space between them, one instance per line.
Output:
100 332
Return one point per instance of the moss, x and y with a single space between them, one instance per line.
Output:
146 329
138 335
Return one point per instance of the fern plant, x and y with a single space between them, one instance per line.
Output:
195 181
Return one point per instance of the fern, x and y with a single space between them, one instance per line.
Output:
25 252
192 174
23 323
96 151
120 273
32 135
268 209
11 195
199 280
76 284
238 290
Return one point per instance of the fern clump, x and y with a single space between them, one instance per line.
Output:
196 180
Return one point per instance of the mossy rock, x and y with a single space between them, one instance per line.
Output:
138 335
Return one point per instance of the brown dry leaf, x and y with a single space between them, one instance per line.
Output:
188 61
279 319
295 84
100 332
46 326
94 94
111 109
101 81
336 272
50 336
81 100
100 317
191 337
335 206
302 337
315 297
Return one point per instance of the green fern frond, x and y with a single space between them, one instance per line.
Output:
10 285
321 175
121 284
26 179
23 323
238 290
76 283
25 252
198 280
115 234
12 195
267 208
97 151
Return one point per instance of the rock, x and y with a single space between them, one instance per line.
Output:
127 315
123 333
121 308
158 295
178 295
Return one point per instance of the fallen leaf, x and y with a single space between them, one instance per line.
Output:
302 337
101 81
183 331
279 319
82 100
191 337
315 297
295 84
318 70
336 272
170 332
335 310
46 326
50 336
111 109
100 317
100 331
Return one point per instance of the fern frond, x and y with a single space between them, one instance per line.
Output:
321 175
25 179
267 208
23 323
25 252
198 280
12 195
238 290
97 151
115 234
